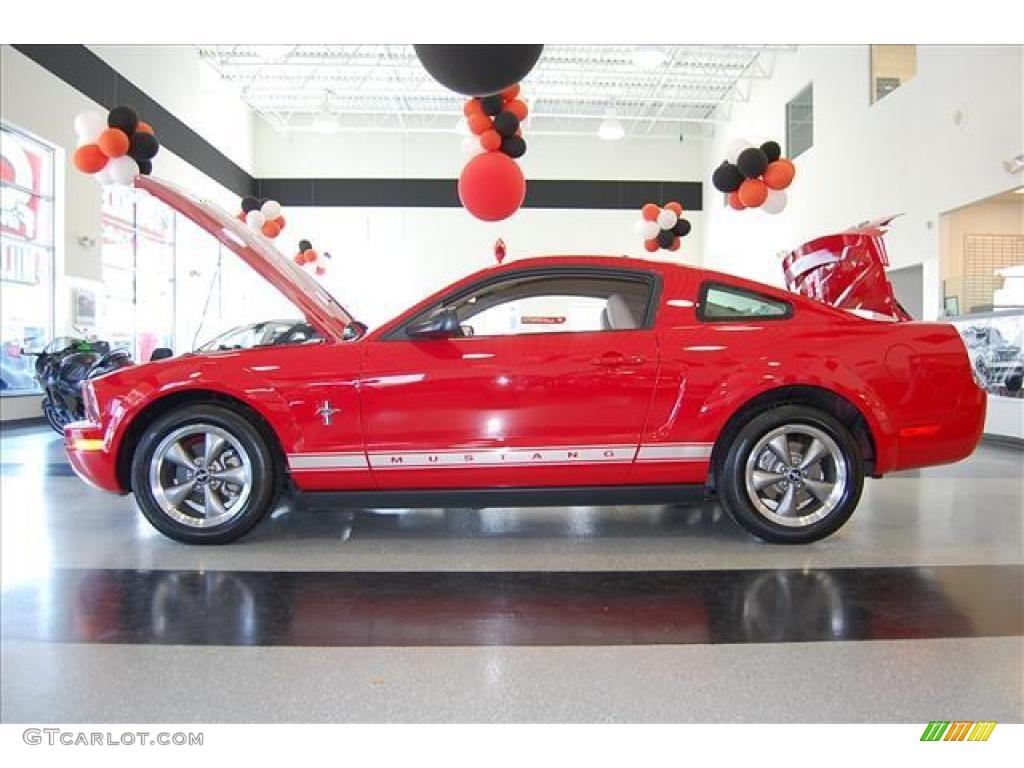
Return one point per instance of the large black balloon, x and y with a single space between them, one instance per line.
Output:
727 177
250 204
145 167
478 70
492 105
143 146
752 162
665 238
506 124
771 150
124 118
304 245
682 228
514 146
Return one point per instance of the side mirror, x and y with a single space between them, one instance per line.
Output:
161 353
443 324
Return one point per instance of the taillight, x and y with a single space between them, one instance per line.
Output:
92 408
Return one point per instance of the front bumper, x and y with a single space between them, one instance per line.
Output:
91 457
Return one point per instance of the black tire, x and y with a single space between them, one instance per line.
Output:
732 486
54 418
263 489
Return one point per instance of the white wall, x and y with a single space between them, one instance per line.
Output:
904 154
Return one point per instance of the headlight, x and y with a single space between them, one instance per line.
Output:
92 408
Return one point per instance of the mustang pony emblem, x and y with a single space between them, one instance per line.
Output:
326 412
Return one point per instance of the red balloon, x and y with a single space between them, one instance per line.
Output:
734 201
490 140
511 92
143 127
89 158
675 243
271 228
651 245
752 193
472 107
309 256
478 123
280 221
114 142
518 108
779 175
650 212
674 207
320 271
492 186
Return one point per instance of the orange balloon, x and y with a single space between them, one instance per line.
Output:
650 212
779 175
675 243
490 140
518 108
651 245
88 158
734 201
143 127
511 92
752 192
299 258
320 271
280 221
113 142
271 228
479 122
309 255
472 107
674 207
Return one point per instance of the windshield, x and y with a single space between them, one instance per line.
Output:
265 334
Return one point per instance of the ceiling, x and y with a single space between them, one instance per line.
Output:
651 90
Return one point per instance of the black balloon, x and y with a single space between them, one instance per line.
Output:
492 105
665 238
727 177
143 146
752 162
145 167
514 146
124 118
682 228
771 150
478 70
304 245
250 204
506 124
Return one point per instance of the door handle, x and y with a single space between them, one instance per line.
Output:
609 360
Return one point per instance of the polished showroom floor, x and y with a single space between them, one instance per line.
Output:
912 612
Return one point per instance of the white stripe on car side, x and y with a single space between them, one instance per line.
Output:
449 458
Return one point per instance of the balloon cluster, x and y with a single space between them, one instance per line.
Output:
491 186
262 216
495 123
116 148
308 257
755 177
662 227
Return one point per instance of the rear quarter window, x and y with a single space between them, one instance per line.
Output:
719 301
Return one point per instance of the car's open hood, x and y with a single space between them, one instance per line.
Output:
319 307
846 271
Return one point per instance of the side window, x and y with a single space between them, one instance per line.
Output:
726 302
558 303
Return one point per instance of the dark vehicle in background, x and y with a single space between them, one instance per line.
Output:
998 363
63 366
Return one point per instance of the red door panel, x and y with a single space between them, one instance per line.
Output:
505 411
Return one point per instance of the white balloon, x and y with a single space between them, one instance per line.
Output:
255 220
89 125
103 176
123 170
650 230
471 146
271 209
734 147
667 218
775 202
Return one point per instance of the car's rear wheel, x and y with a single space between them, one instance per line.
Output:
204 475
792 475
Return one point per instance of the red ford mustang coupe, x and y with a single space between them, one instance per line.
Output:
556 380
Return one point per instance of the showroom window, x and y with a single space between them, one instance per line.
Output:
136 310
800 122
891 67
726 302
555 304
26 254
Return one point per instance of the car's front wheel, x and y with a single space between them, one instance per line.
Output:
792 475
204 474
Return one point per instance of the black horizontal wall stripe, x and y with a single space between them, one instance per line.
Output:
83 70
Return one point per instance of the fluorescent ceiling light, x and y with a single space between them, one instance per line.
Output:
648 57
611 128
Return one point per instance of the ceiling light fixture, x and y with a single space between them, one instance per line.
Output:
611 128
648 57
